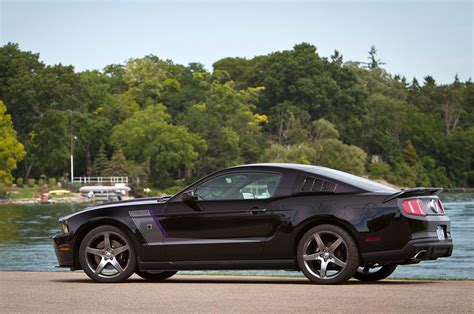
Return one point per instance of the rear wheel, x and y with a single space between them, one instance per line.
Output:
374 272
106 254
327 254
156 276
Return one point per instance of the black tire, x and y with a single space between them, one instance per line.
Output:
156 276
324 261
379 274
107 255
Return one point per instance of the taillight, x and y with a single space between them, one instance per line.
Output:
413 207
441 207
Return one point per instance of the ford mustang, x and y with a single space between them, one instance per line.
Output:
328 224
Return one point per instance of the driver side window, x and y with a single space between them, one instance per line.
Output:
250 185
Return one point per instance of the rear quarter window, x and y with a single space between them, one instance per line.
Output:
314 184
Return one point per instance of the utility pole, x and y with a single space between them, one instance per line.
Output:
73 138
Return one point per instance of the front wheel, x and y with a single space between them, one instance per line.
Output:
156 276
374 272
327 254
107 254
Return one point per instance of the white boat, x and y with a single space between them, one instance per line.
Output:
105 193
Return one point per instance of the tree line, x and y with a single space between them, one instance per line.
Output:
162 123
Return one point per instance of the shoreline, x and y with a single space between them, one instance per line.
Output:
59 200
76 199
458 190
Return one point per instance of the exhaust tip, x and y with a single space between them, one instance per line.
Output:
419 255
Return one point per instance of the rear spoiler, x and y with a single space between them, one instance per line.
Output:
413 192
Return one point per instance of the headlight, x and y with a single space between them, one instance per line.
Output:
64 226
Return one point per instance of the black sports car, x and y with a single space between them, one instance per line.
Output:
329 224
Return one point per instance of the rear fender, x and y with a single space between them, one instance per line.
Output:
309 223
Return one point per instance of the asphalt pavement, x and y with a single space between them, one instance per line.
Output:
74 292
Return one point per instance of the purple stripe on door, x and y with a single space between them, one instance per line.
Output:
158 223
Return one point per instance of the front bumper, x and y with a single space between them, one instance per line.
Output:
64 250
413 252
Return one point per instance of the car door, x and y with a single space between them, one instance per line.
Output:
227 221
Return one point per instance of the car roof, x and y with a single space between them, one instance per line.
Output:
301 167
328 173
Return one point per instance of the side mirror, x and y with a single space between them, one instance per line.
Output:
188 197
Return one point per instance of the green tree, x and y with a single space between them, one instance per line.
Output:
457 157
337 57
11 150
301 78
374 62
453 105
18 73
139 174
148 78
227 121
303 153
269 107
379 170
148 135
322 129
117 166
409 153
92 130
335 154
118 107
100 163
242 71
289 124
48 145
329 153
384 126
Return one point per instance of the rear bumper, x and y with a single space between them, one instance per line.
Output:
64 250
413 252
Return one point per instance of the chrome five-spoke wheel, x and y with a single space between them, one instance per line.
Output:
325 258
327 254
106 255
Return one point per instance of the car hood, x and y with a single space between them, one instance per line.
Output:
132 202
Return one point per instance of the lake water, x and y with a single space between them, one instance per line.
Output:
26 231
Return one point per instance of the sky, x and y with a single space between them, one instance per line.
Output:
414 38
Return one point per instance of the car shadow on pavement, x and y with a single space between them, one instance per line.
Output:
247 280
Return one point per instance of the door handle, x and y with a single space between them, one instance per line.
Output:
256 210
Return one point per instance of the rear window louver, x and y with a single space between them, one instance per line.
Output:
311 184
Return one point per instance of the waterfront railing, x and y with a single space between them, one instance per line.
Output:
101 180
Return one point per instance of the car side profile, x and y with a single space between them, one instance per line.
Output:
329 224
